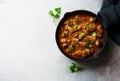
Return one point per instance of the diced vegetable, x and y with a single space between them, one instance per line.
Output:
87 51
92 19
83 44
90 46
65 35
81 48
75 26
87 41
71 47
70 22
97 43
64 45
63 40
88 26
94 34
83 34
76 40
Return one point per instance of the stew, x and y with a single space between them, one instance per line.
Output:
80 36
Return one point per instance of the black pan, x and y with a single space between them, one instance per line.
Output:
69 14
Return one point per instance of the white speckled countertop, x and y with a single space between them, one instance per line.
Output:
28 51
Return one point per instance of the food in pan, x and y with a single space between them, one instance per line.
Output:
80 36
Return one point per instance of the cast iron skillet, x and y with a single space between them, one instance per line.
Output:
69 14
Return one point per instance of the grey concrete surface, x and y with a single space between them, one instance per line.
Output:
28 51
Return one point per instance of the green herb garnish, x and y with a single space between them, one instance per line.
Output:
58 10
90 46
83 34
94 34
75 68
87 41
51 13
75 26
88 26
70 22
65 35
71 47
81 48
55 15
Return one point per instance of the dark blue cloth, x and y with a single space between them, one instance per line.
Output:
110 15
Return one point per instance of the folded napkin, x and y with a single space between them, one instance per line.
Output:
110 15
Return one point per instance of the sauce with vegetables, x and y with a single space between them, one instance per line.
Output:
80 36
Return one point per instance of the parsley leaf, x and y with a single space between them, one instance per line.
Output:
51 13
75 68
55 15
58 10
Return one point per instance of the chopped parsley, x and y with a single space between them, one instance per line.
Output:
58 10
87 41
51 13
55 15
88 26
65 35
70 22
90 46
71 47
75 68
94 34
75 26
83 34
81 48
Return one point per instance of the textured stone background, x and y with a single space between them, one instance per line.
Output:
28 51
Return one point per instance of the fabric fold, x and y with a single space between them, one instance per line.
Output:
110 16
